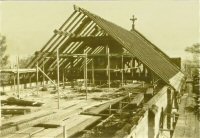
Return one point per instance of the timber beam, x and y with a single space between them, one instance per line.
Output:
64 55
91 37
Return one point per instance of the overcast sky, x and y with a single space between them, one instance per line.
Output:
171 25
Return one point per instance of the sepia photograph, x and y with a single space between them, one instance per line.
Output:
100 68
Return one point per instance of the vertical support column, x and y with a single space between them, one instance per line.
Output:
132 65
72 71
24 81
162 118
85 78
0 100
175 99
139 75
64 132
63 73
84 69
30 82
110 108
122 71
108 68
153 78
169 108
120 109
18 79
14 82
151 124
58 77
37 78
43 78
93 81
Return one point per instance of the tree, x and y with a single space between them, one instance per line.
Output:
193 65
3 56
24 61
194 49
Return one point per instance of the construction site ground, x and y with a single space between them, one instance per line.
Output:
47 121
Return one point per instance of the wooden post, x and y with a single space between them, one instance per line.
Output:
153 79
43 78
64 132
142 84
132 66
24 81
169 108
86 73
110 107
14 82
120 109
84 70
122 71
93 81
108 69
18 79
63 78
37 78
30 82
72 71
0 100
47 77
58 79
129 97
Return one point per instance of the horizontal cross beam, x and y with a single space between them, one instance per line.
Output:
63 55
91 38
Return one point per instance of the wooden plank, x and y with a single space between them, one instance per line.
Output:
70 123
15 111
24 118
105 120
137 100
17 136
149 91
81 126
30 130
103 107
24 121
42 134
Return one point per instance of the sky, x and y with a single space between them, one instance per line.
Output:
171 25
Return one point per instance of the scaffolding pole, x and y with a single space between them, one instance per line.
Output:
108 68
37 78
39 69
30 82
43 78
122 71
14 82
18 80
132 66
93 81
85 74
63 78
58 82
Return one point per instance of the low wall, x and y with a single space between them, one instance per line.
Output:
142 129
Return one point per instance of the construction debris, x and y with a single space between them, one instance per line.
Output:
20 102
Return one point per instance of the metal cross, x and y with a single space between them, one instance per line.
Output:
133 19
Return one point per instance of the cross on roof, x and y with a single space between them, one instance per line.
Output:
133 19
